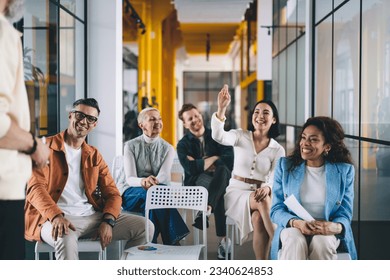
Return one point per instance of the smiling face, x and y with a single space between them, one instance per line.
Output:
312 146
79 125
193 121
151 124
263 117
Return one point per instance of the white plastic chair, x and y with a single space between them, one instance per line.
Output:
117 165
233 233
179 197
177 173
85 245
177 179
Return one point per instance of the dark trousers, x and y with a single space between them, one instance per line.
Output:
168 222
12 243
216 184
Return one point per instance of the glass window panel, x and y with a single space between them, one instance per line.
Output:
74 6
251 101
252 48
217 79
336 3
323 68
274 32
322 8
36 13
376 70
301 16
71 65
291 16
282 87
374 204
353 146
275 41
301 107
282 29
346 67
291 84
194 80
275 81
40 57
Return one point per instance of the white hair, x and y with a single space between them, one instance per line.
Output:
14 10
142 114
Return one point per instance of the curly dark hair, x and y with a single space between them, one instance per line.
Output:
334 136
274 129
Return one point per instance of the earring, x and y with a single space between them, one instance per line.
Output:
325 153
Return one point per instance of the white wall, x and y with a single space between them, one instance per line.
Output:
105 74
264 41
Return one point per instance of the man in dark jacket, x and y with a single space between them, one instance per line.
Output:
206 163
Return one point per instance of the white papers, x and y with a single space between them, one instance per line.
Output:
297 208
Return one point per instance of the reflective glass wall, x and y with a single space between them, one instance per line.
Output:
350 65
54 36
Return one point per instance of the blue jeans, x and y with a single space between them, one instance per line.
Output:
167 222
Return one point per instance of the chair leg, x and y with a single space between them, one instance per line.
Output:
105 254
231 230
233 242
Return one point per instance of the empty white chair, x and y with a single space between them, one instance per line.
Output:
85 245
179 197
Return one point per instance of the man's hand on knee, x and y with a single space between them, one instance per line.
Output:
60 227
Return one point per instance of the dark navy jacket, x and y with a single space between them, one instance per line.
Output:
189 145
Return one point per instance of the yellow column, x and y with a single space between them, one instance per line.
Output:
260 90
144 66
156 61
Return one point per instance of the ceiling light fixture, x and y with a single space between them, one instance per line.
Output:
135 16
208 46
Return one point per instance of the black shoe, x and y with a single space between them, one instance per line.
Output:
198 223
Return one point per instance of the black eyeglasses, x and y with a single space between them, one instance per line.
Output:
80 116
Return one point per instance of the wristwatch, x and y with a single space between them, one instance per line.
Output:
111 222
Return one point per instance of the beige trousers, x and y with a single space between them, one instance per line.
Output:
128 227
296 246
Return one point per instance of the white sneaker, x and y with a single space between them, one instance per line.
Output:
224 246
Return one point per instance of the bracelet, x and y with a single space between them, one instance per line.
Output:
34 147
222 120
292 223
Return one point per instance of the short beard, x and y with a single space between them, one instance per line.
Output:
14 10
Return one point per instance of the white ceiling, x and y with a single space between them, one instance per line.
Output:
211 11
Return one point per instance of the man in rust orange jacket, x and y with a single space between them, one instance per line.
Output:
75 196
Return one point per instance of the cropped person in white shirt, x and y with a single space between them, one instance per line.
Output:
19 150
248 196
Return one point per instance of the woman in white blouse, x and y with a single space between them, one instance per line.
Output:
248 196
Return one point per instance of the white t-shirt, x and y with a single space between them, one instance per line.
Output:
73 200
313 191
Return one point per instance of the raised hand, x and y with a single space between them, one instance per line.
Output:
224 97
223 101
